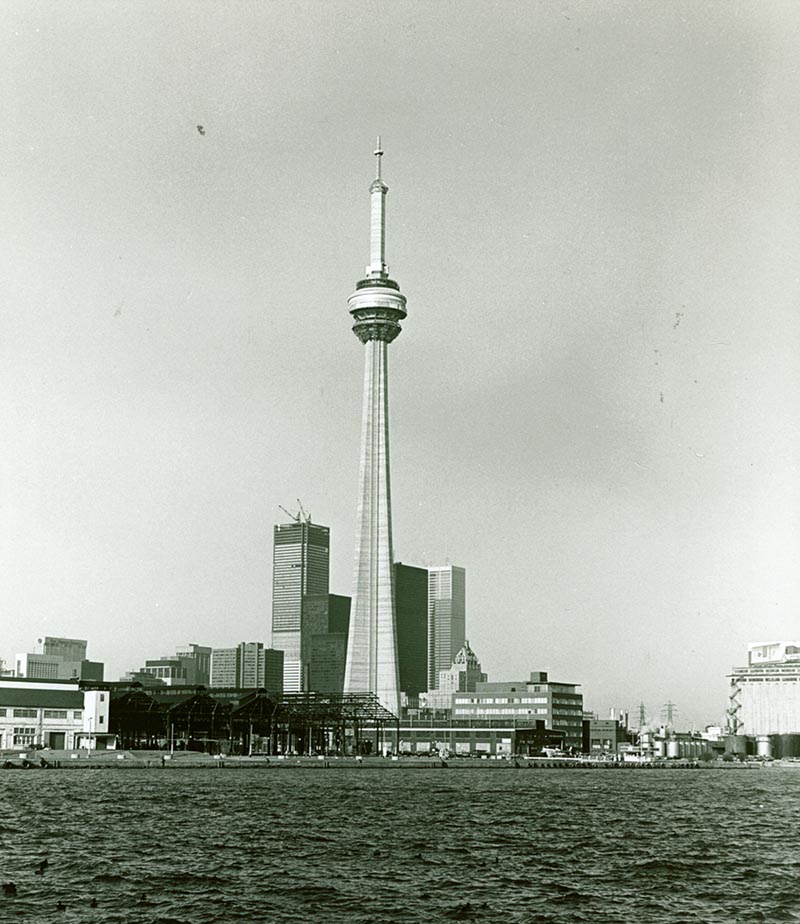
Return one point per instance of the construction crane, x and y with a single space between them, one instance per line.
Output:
302 515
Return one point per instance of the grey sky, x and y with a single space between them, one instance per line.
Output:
594 213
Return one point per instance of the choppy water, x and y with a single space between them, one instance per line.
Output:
380 846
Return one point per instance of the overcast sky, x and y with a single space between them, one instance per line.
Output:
594 212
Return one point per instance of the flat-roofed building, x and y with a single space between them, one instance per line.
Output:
326 623
247 666
55 658
559 705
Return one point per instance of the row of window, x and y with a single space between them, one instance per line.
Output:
46 713
496 712
501 700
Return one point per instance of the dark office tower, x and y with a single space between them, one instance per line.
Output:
411 615
338 613
273 670
326 621
300 564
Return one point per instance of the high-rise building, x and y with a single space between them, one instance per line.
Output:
201 655
326 622
272 660
300 567
225 671
249 665
377 308
447 607
411 615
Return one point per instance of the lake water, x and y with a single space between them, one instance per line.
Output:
404 846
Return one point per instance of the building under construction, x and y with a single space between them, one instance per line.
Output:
247 721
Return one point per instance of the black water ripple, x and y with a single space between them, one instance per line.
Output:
372 847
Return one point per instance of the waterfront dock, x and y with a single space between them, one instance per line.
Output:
189 760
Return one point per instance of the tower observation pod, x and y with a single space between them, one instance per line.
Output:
377 308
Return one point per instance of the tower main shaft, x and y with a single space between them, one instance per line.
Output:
377 308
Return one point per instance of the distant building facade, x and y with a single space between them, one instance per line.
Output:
55 658
200 655
446 618
411 618
248 665
300 568
603 736
463 676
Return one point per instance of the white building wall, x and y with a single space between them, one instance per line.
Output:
770 706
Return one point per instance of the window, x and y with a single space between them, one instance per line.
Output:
55 713
77 713
2 712
25 713
24 736
102 697
100 720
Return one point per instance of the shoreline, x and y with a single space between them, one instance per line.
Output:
161 760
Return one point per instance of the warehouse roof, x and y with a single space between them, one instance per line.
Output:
49 699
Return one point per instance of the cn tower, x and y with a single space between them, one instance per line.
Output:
377 308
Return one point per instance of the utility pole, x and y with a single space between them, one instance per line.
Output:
669 712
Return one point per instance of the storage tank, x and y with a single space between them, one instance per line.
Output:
787 745
736 744
659 749
763 746
673 749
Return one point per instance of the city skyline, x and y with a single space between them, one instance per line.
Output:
596 214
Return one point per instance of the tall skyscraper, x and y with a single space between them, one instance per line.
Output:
411 614
300 566
377 308
447 608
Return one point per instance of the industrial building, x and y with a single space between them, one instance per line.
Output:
558 705
765 694
444 737
52 714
